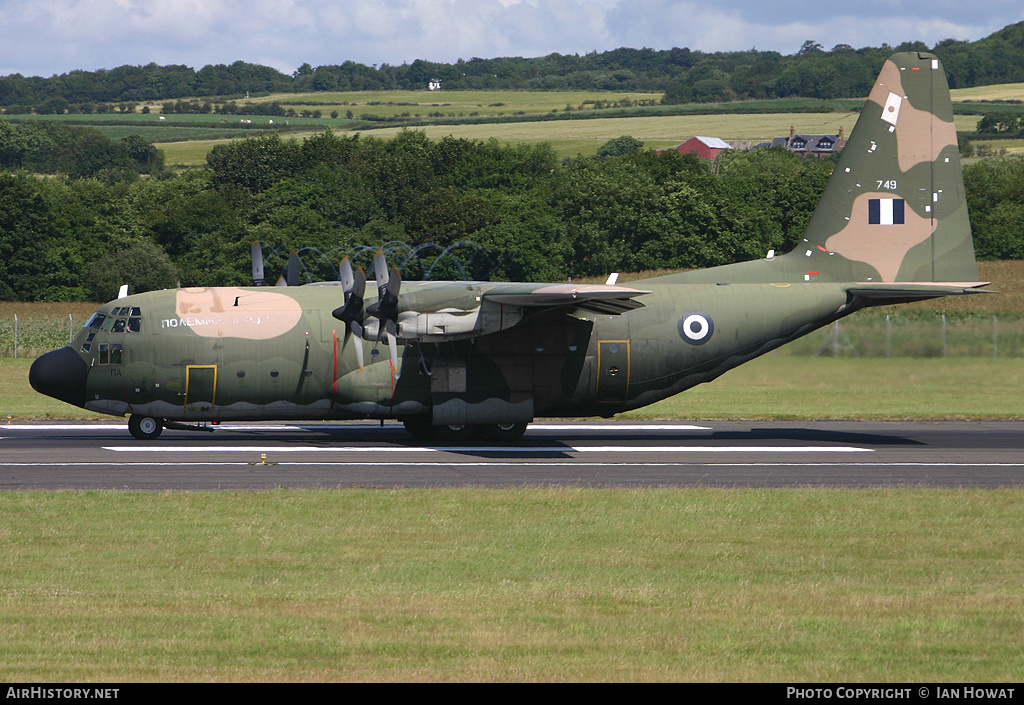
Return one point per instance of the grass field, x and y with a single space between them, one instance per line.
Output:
1003 91
489 103
513 585
570 138
187 141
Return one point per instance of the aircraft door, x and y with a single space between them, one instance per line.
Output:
200 386
613 358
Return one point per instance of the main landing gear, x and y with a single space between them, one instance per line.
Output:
145 428
421 429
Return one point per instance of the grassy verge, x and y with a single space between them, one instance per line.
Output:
510 585
779 387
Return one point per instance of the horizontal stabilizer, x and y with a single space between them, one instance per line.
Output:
885 293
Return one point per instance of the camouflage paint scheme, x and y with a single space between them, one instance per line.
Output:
891 227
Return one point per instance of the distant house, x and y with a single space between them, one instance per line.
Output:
704 147
809 145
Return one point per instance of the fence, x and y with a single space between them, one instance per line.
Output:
30 336
874 336
931 336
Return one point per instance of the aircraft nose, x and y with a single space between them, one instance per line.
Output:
60 374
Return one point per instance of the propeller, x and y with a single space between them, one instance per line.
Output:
389 283
385 309
351 313
257 264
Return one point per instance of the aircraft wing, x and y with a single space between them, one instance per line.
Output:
437 313
599 298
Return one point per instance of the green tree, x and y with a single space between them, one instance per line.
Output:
255 163
143 266
619 146
995 198
26 228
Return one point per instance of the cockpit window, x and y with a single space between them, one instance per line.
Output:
116 321
87 345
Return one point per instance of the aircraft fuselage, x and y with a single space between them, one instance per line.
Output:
204 355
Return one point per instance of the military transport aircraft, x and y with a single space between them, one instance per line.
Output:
456 359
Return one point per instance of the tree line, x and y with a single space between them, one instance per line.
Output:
530 215
44 147
683 75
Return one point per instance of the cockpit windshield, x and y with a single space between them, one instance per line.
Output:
120 319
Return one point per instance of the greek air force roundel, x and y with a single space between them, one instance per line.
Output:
696 327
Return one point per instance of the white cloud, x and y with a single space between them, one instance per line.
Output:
42 37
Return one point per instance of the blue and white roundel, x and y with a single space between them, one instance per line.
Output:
696 327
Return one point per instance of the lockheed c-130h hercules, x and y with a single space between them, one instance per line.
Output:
456 359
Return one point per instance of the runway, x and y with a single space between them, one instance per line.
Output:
592 454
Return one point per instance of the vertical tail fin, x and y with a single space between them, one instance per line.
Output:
894 208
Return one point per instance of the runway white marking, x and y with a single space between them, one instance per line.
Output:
499 463
553 427
515 450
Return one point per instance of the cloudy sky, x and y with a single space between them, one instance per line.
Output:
46 37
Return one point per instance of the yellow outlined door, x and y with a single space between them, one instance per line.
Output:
200 386
612 370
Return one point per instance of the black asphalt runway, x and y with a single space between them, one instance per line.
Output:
592 454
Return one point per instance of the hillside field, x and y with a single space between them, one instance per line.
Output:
568 137
584 137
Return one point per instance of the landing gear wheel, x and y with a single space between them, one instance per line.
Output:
419 427
145 428
505 432
457 433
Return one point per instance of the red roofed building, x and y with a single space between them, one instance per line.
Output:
704 147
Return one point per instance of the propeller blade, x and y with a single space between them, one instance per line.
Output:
293 269
393 346
257 264
352 310
357 339
380 270
345 275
